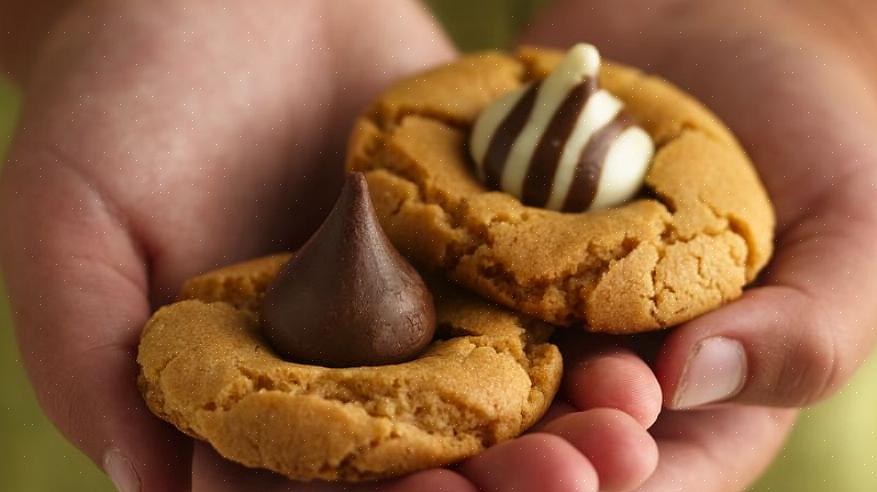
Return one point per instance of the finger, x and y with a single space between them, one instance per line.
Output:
538 461
212 473
619 448
558 409
601 374
402 38
439 480
722 450
799 338
77 289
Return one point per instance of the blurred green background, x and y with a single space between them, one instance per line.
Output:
833 447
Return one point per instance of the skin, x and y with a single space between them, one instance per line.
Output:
159 140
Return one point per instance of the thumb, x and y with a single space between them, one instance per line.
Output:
799 337
77 288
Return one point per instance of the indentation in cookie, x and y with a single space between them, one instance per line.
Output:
562 143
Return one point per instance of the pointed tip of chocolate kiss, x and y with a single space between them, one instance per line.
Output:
354 207
354 195
355 182
348 298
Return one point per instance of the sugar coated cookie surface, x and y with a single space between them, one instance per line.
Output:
698 232
205 368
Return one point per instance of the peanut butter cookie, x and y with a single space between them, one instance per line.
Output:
697 232
206 368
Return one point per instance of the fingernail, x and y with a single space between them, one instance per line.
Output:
121 471
715 371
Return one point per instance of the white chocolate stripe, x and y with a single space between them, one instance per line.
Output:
624 168
488 122
582 61
601 109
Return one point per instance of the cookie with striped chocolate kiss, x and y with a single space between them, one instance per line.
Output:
640 253
562 143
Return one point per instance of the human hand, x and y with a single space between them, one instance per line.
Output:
800 100
161 139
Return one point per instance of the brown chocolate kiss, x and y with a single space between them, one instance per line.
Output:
348 298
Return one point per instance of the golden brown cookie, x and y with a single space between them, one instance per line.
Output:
702 229
205 368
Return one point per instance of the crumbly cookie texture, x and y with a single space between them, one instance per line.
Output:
206 369
702 231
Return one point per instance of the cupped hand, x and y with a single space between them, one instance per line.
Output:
800 99
159 140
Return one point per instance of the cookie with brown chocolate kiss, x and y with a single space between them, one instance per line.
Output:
241 360
575 191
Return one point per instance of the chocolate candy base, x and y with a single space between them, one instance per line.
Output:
652 263
206 369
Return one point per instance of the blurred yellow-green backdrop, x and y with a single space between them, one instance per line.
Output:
834 446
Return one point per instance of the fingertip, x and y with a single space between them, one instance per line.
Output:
616 378
623 454
538 461
713 371
736 352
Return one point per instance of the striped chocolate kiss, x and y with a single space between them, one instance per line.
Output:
562 143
